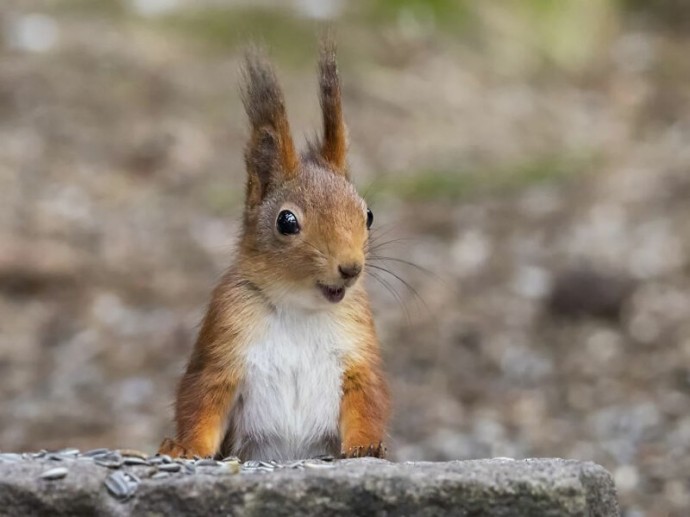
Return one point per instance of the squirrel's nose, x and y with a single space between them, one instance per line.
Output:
350 271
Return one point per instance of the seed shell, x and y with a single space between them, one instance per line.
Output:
54 473
121 485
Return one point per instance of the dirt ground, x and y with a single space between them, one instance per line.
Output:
535 167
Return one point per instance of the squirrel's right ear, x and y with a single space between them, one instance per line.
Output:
270 154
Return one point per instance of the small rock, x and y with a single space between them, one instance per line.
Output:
583 292
33 33
626 478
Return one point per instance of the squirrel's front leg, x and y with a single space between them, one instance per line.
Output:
364 411
203 403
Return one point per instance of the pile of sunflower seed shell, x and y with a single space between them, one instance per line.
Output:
128 467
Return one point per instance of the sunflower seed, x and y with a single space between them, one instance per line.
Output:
133 453
157 459
232 466
160 475
207 463
112 460
56 473
134 460
40 454
312 465
170 467
96 452
70 451
324 457
117 484
10 457
122 485
58 456
230 458
251 464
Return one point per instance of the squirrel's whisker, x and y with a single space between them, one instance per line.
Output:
405 262
392 291
402 281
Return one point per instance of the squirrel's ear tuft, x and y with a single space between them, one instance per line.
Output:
333 149
270 153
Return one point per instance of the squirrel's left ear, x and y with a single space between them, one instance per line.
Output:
333 148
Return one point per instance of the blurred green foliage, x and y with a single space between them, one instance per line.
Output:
110 8
289 37
519 35
460 184
445 13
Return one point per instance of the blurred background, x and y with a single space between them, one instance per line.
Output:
532 156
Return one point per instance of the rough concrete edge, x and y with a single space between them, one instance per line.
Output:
591 483
600 489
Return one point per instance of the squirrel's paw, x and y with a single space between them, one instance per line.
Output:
361 451
172 448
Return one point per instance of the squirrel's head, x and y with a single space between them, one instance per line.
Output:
305 226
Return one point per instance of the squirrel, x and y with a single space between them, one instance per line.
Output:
287 363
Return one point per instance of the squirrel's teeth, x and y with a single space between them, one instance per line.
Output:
332 294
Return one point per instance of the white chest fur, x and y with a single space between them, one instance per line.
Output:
288 405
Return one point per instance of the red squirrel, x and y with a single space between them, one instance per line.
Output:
287 362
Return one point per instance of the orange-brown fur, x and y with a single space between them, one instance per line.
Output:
365 405
270 268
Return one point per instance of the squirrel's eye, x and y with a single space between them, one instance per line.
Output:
370 218
287 223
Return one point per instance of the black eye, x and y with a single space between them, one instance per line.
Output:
287 223
370 218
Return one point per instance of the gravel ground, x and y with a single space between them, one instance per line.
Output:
547 207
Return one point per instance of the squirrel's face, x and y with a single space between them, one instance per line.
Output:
309 240
305 226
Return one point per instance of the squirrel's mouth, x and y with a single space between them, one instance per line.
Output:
331 293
